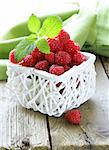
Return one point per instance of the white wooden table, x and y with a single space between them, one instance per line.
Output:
22 129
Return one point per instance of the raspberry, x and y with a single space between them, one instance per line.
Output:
71 47
72 64
77 47
62 58
37 55
55 45
28 61
73 116
63 36
57 70
78 58
42 65
50 57
66 68
12 57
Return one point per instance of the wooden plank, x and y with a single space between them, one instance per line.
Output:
21 128
95 121
105 62
65 136
69 137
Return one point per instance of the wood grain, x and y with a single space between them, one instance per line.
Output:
87 136
65 136
21 128
95 121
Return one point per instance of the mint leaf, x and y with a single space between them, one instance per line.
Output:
33 24
32 36
25 47
43 46
51 27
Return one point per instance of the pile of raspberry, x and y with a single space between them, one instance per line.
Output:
64 54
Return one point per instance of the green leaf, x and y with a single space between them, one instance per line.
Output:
32 36
34 24
24 48
51 27
43 46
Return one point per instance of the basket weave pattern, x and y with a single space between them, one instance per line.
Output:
51 94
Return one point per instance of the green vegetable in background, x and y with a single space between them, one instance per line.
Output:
79 25
3 69
90 28
101 44
21 29
7 46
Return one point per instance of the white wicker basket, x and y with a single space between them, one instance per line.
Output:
51 94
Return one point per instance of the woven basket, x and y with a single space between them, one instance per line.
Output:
51 94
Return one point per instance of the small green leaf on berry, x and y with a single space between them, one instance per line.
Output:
24 48
43 46
34 24
51 27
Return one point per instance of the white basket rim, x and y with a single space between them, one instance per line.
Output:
90 60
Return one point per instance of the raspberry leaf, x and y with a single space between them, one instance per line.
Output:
32 36
34 24
43 46
24 48
51 27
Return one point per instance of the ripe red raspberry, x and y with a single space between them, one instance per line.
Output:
63 36
71 47
66 68
28 61
50 57
42 65
57 70
37 55
73 116
55 45
12 57
62 58
72 64
78 58
77 47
